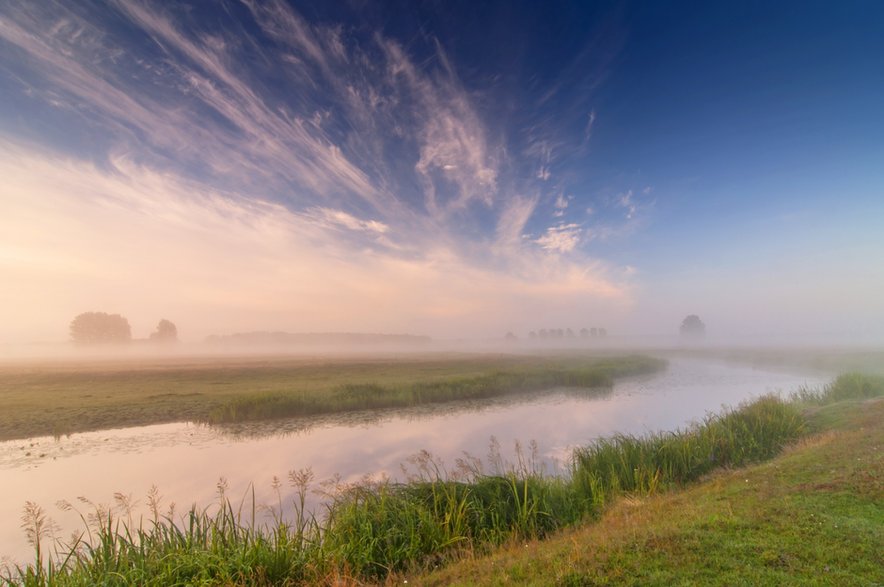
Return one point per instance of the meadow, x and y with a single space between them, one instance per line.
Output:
464 524
62 398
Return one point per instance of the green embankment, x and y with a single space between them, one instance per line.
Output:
813 515
577 373
64 398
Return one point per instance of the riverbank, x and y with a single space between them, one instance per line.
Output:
811 516
377 529
59 399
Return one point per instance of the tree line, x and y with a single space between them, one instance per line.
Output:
103 328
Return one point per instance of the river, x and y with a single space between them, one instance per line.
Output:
186 461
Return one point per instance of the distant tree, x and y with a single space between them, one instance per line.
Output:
569 333
510 336
532 335
166 332
692 327
560 333
593 332
584 333
99 327
603 332
543 333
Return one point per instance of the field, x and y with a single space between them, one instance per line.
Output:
61 398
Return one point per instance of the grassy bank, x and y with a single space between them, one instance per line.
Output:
56 399
589 374
811 516
390 532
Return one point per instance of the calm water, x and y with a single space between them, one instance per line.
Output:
186 461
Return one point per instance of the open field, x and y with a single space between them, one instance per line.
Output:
810 516
56 399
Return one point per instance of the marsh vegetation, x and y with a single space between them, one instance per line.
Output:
64 398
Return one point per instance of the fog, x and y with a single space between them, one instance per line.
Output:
60 355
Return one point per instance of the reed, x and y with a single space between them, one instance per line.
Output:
218 545
646 464
848 386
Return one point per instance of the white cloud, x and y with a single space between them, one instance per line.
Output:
512 221
561 238
331 217
452 137
626 202
560 205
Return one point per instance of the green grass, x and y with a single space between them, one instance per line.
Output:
61 398
589 374
812 516
390 528
203 548
646 464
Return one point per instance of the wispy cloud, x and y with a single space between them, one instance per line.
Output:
561 204
453 146
314 175
511 224
330 217
222 261
626 202
561 238
590 122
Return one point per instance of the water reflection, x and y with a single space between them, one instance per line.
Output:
186 461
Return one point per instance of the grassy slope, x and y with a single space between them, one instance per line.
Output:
63 398
813 516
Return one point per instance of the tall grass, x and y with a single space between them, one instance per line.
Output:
848 386
213 546
374 529
393 527
649 463
596 374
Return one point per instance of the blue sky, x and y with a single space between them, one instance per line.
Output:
448 168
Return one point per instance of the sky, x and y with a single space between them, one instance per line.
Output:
452 169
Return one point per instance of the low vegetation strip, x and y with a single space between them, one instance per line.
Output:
589 373
61 399
381 531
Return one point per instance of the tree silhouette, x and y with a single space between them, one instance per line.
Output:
100 327
166 332
693 327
